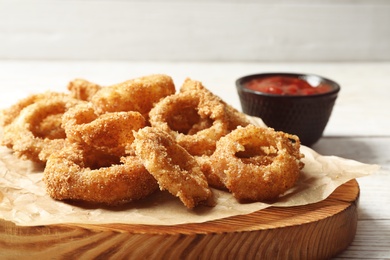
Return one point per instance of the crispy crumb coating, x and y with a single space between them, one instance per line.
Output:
83 89
111 132
257 163
172 166
138 94
77 173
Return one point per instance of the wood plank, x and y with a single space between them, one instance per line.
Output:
372 241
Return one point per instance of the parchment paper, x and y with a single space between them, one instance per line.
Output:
23 199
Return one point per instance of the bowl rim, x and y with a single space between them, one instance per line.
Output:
241 81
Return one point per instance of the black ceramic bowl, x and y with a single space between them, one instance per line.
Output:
303 115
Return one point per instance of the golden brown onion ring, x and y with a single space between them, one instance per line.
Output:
77 173
27 134
9 114
235 118
111 132
256 163
173 167
134 95
193 119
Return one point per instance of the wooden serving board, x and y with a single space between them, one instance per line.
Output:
316 231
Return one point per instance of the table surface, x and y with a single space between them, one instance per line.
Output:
358 129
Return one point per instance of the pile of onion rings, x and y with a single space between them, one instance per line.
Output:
115 144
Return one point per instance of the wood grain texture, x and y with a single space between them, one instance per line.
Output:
316 231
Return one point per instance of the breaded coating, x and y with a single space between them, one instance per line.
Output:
173 167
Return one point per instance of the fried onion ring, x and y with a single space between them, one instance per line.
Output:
83 89
173 167
9 114
235 118
134 95
257 163
77 173
194 120
26 134
111 132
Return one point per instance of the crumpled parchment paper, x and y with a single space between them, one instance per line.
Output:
24 201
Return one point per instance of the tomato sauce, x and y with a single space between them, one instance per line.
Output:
284 85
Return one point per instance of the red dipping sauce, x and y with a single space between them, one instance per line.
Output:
285 85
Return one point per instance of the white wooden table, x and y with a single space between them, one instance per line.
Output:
359 127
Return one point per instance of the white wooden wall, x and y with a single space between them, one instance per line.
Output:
195 30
